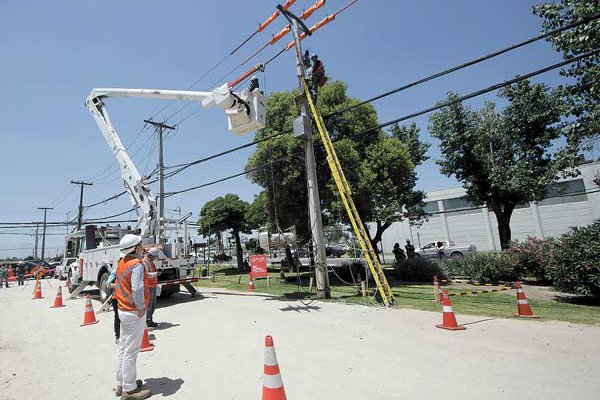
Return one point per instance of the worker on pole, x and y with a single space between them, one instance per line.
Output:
132 304
151 284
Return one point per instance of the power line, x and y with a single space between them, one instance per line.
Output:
478 93
467 64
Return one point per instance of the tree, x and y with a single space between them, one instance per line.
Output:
583 91
378 165
504 159
223 213
257 214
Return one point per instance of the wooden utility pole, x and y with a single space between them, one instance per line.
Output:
44 229
159 127
80 215
314 203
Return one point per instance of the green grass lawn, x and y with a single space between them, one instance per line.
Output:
497 304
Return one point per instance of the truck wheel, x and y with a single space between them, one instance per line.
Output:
457 255
169 290
103 286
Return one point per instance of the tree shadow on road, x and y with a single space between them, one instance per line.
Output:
164 386
164 325
301 308
179 298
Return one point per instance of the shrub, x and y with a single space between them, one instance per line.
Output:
575 264
418 269
483 267
531 258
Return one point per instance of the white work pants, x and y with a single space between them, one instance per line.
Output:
130 340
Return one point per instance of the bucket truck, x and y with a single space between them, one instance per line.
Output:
96 248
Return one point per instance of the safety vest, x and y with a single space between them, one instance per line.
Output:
152 280
123 291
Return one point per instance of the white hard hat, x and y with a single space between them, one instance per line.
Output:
128 243
154 252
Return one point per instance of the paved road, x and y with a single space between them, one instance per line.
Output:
211 348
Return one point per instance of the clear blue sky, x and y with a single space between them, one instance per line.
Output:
54 53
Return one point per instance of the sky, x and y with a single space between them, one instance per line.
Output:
54 53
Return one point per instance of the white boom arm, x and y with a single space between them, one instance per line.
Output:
245 113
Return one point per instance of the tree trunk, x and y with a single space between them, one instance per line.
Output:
503 215
238 251
377 238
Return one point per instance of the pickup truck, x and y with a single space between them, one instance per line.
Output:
62 269
451 250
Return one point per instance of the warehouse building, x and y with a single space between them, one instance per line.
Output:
571 202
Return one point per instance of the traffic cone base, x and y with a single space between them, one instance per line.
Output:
58 299
272 383
89 318
525 316
451 328
146 344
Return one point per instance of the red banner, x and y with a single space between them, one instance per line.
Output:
258 266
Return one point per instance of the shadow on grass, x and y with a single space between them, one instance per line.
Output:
579 300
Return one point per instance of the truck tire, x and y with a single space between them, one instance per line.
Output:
103 286
457 255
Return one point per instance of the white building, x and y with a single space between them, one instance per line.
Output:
572 202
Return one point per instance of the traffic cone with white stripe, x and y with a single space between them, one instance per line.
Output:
146 343
272 383
448 318
89 318
523 309
250 283
37 291
58 299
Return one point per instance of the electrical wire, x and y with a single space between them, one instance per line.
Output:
467 64
478 92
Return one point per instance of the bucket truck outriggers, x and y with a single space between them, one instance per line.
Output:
96 248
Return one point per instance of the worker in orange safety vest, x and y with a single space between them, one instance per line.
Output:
151 284
130 295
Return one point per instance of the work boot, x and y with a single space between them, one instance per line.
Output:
151 324
137 394
119 389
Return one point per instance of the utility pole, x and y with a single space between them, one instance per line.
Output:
314 203
159 127
44 229
35 249
80 216
67 224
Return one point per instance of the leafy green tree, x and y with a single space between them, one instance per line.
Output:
507 158
378 165
583 90
257 214
224 213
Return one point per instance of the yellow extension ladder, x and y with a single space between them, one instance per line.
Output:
346 195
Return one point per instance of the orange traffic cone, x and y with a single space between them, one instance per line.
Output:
146 343
250 283
272 383
67 283
37 291
58 299
448 318
523 309
89 318
436 289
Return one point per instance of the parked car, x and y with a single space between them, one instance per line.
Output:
62 269
451 250
335 250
